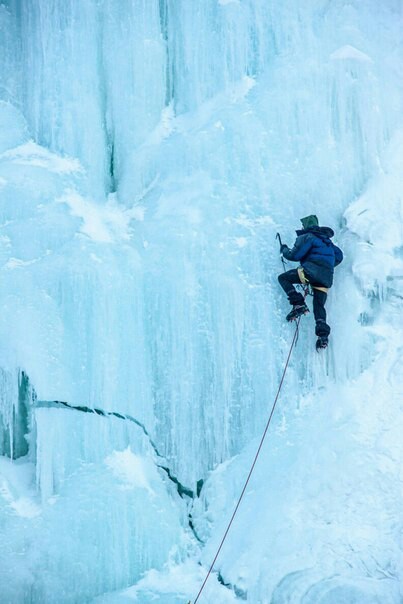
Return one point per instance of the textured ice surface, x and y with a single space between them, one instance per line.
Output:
149 153
170 586
104 505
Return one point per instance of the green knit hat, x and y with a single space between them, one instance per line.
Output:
310 221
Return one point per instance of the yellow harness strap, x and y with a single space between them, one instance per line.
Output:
302 276
304 280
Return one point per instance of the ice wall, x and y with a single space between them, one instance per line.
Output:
149 153
105 515
84 529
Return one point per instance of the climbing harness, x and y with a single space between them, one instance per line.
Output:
305 281
306 286
253 464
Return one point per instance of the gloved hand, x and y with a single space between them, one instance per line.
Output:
283 247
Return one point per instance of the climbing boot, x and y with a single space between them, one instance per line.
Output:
297 311
322 342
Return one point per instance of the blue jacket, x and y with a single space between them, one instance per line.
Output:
316 253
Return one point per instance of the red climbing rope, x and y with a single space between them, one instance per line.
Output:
253 464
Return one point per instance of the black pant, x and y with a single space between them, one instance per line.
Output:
286 281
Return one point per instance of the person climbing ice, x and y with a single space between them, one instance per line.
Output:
317 256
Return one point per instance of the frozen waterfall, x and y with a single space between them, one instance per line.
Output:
149 152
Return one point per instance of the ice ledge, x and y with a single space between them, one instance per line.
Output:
350 52
34 155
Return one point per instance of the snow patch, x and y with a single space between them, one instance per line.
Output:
95 258
176 583
164 128
14 263
105 223
242 88
34 155
241 241
138 213
377 218
16 480
134 471
201 118
350 52
25 507
251 223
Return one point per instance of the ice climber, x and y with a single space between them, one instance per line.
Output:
317 256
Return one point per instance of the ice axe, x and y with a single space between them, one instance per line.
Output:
278 236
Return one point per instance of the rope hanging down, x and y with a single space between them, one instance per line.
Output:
253 464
